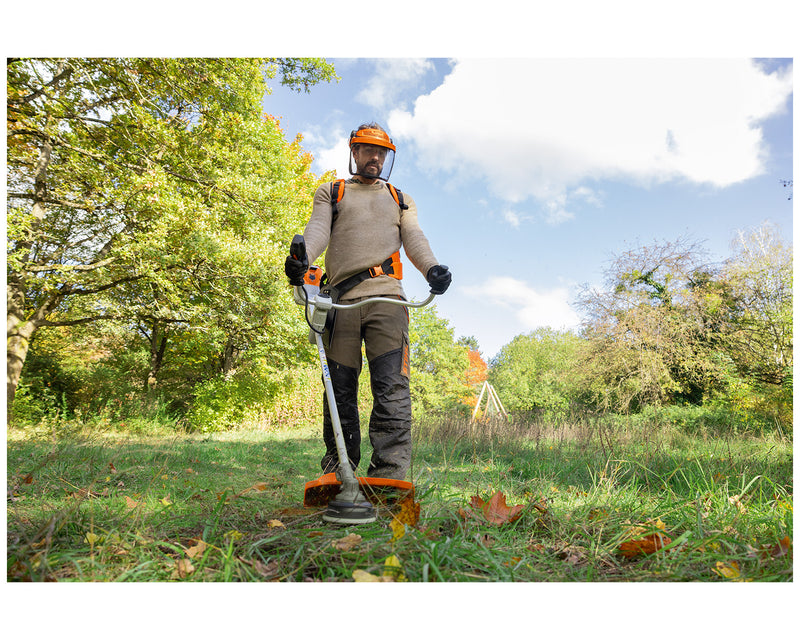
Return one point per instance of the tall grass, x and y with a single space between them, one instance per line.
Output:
112 506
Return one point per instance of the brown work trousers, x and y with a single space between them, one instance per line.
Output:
383 328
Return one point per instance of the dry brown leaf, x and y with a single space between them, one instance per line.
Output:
275 523
197 549
130 503
646 545
182 568
348 543
782 548
778 550
737 502
497 511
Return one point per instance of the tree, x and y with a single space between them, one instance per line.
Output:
535 373
760 279
438 365
148 191
654 329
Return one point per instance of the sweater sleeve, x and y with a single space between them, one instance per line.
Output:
318 230
415 243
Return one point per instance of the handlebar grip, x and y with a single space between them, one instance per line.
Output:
298 248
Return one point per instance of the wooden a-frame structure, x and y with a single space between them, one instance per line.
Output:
493 404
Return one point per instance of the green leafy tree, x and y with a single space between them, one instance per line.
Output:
653 330
535 373
760 279
438 365
154 193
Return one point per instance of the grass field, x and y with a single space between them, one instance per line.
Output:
117 507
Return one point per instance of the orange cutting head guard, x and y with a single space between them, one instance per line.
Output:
371 152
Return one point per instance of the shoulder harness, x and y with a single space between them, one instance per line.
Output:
391 267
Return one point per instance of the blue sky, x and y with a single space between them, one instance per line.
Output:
530 174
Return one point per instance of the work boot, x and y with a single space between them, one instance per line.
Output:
390 421
345 390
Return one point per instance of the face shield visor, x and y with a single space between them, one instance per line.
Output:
371 154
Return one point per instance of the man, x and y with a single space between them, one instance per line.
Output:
363 232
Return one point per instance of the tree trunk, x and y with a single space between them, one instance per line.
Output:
20 330
158 345
228 357
17 344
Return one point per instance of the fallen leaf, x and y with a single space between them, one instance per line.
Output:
111 467
269 570
398 529
778 550
360 575
183 568
92 538
393 569
571 554
406 516
348 543
166 501
642 546
28 479
409 511
197 549
130 503
729 570
737 502
275 523
497 511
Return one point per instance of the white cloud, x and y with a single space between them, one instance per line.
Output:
541 127
329 148
328 143
393 75
533 309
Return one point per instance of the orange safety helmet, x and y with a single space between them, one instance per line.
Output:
376 137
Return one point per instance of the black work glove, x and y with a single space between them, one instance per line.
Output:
295 270
439 278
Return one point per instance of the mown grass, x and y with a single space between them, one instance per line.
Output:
228 507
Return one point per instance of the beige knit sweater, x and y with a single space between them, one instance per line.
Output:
369 228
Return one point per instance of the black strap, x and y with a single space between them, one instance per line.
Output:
348 283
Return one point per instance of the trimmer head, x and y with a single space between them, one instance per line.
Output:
350 512
323 490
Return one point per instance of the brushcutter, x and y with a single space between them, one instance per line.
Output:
348 499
